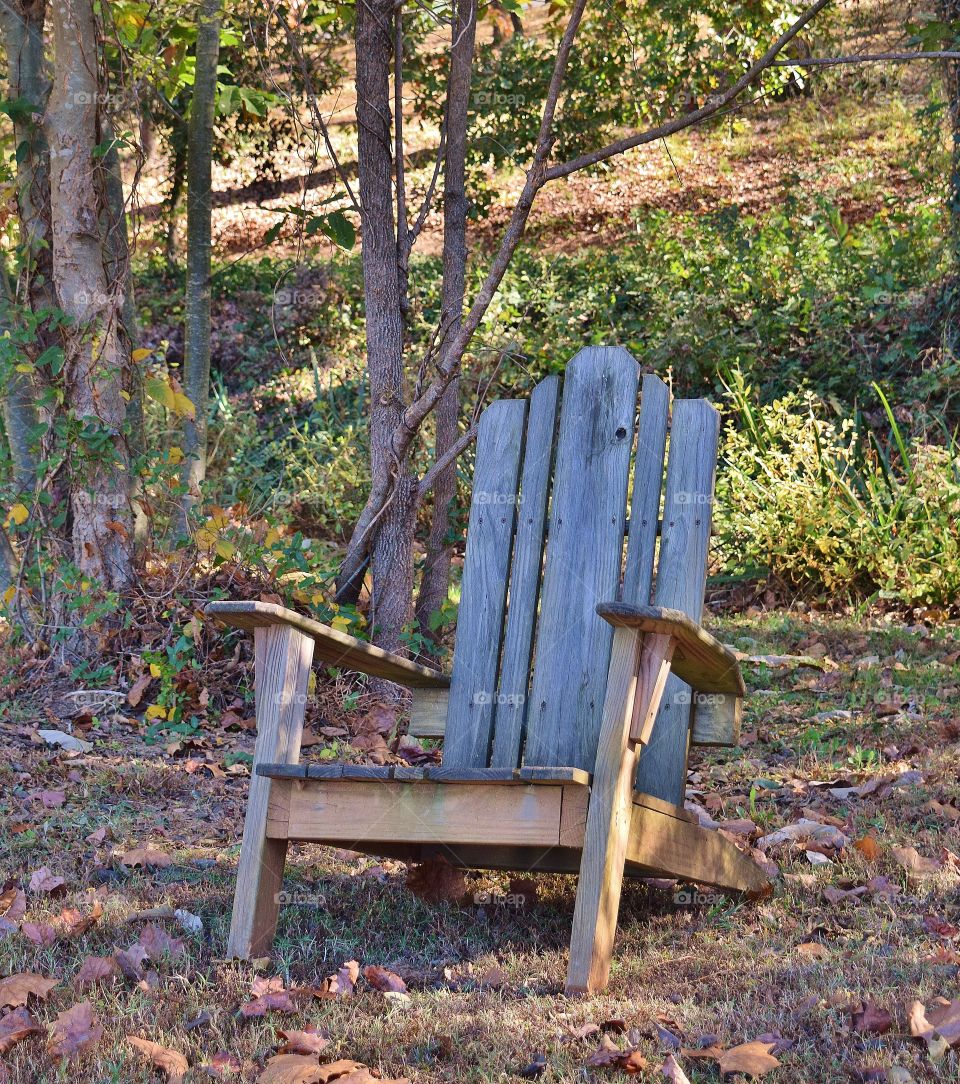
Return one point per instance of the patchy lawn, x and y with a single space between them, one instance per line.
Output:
861 740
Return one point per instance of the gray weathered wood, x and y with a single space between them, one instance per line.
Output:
716 719
525 574
428 713
647 484
583 557
282 660
699 659
681 579
331 646
473 685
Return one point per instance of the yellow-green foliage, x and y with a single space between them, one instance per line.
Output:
822 506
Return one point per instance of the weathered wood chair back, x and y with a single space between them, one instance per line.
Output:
548 540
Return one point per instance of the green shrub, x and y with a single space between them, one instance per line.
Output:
825 508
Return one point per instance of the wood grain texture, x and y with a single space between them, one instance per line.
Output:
699 658
647 486
525 573
653 669
486 568
583 558
677 848
608 825
716 719
680 581
331 647
428 713
283 656
352 811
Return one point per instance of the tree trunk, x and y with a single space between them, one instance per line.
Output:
178 137
950 12
96 371
392 549
436 573
22 26
196 350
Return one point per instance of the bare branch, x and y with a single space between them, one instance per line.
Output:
718 102
452 453
866 58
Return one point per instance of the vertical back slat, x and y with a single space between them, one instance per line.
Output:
484 587
681 581
583 557
647 483
525 574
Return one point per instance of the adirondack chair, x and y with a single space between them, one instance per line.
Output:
579 679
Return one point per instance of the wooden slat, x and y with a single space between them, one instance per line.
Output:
525 574
680 582
716 719
671 847
699 658
484 587
583 557
431 774
647 484
537 774
608 825
352 811
332 647
428 713
282 662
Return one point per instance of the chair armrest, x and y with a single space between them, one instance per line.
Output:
698 658
331 647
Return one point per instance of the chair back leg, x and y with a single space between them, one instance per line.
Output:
283 659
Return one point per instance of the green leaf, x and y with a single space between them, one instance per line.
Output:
54 357
274 232
340 230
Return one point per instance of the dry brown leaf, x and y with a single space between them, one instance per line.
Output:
97 969
872 1019
15 990
303 1069
303 1042
138 688
146 857
813 950
222 1065
15 1027
42 880
13 906
74 1031
130 961
914 863
75 923
341 984
173 1064
381 978
437 881
40 933
752 1059
268 995
158 943
869 847
672 1071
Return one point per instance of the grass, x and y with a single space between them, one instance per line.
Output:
720 967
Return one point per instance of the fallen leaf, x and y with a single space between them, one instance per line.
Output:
130 961
380 978
158 943
74 1030
672 1071
40 933
42 880
17 989
97 837
66 741
13 906
173 1064
871 1019
138 688
222 1065
268 995
536 1067
809 831
75 923
303 1042
914 863
301 1069
813 950
752 1059
342 983
97 969
15 1027
493 978
146 857
869 847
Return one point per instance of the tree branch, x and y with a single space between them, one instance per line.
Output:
866 58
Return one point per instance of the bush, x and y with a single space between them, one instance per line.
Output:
825 508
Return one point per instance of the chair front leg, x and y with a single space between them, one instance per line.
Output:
635 681
282 672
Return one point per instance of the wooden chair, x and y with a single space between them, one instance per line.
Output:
579 678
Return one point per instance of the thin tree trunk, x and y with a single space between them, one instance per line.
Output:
392 551
436 572
178 172
22 26
950 12
96 370
196 350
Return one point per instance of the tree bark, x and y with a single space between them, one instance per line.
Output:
950 12
196 351
392 550
436 572
21 24
96 371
